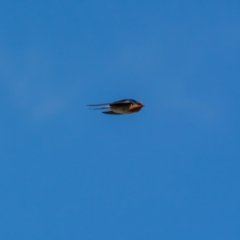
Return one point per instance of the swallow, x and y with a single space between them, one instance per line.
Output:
125 106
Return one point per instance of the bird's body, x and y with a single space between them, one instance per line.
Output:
125 106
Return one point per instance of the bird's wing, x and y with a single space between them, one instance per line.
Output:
125 101
113 113
95 105
121 102
100 108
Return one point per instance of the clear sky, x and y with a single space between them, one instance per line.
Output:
168 172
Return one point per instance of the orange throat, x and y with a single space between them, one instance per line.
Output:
135 108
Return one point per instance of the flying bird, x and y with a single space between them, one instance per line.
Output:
125 106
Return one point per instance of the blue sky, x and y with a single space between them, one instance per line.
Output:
170 171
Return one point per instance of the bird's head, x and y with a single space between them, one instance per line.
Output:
140 104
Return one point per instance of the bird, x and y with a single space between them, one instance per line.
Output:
125 106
